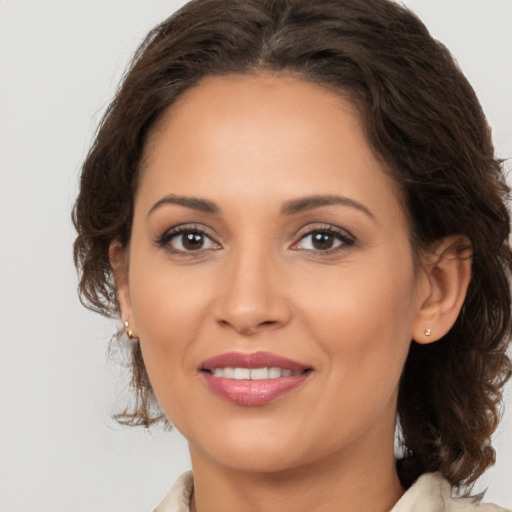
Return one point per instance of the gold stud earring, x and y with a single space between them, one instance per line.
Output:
127 329
428 332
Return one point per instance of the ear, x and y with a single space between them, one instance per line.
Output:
447 273
119 262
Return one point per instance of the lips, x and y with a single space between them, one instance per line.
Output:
253 379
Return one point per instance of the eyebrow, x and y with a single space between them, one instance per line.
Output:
289 208
194 203
310 202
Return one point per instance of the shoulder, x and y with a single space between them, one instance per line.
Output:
432 493
178 498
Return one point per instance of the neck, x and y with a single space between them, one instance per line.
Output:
365 480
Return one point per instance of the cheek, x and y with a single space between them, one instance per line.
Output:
169 309
362 324
363 318
169 315
169 303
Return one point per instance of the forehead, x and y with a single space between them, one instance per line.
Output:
249 99
266 136
243 111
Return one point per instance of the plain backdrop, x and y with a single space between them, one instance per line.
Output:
60 62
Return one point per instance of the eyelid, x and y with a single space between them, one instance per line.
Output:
344 236
163 240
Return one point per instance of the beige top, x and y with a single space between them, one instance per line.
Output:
431 493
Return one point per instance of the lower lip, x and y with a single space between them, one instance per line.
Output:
253 392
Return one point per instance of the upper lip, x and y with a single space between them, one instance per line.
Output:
252 360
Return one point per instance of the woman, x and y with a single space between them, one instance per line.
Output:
283 195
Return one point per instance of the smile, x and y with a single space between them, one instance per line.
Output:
253 379
253 373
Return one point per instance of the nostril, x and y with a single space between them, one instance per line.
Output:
250 318
246 328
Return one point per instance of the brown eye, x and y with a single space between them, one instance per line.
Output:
187 240
192 241
321 240
324 240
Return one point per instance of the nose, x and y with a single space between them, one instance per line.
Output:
251 296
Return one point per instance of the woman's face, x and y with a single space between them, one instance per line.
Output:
265 228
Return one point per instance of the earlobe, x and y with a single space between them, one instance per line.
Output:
119 263
447 273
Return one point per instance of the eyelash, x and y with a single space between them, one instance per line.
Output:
346 240
165 240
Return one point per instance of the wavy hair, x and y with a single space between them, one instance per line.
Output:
424 122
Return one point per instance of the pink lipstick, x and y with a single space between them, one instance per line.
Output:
253 379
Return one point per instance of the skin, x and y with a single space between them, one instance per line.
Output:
250 145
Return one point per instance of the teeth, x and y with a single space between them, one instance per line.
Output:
242 373
274 373
252 374
228 372
259 373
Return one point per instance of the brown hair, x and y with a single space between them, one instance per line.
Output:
423 120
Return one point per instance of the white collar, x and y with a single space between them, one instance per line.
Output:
430 493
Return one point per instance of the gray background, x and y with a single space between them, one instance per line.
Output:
60 62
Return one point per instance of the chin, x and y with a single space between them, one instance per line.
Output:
256 448
258 460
